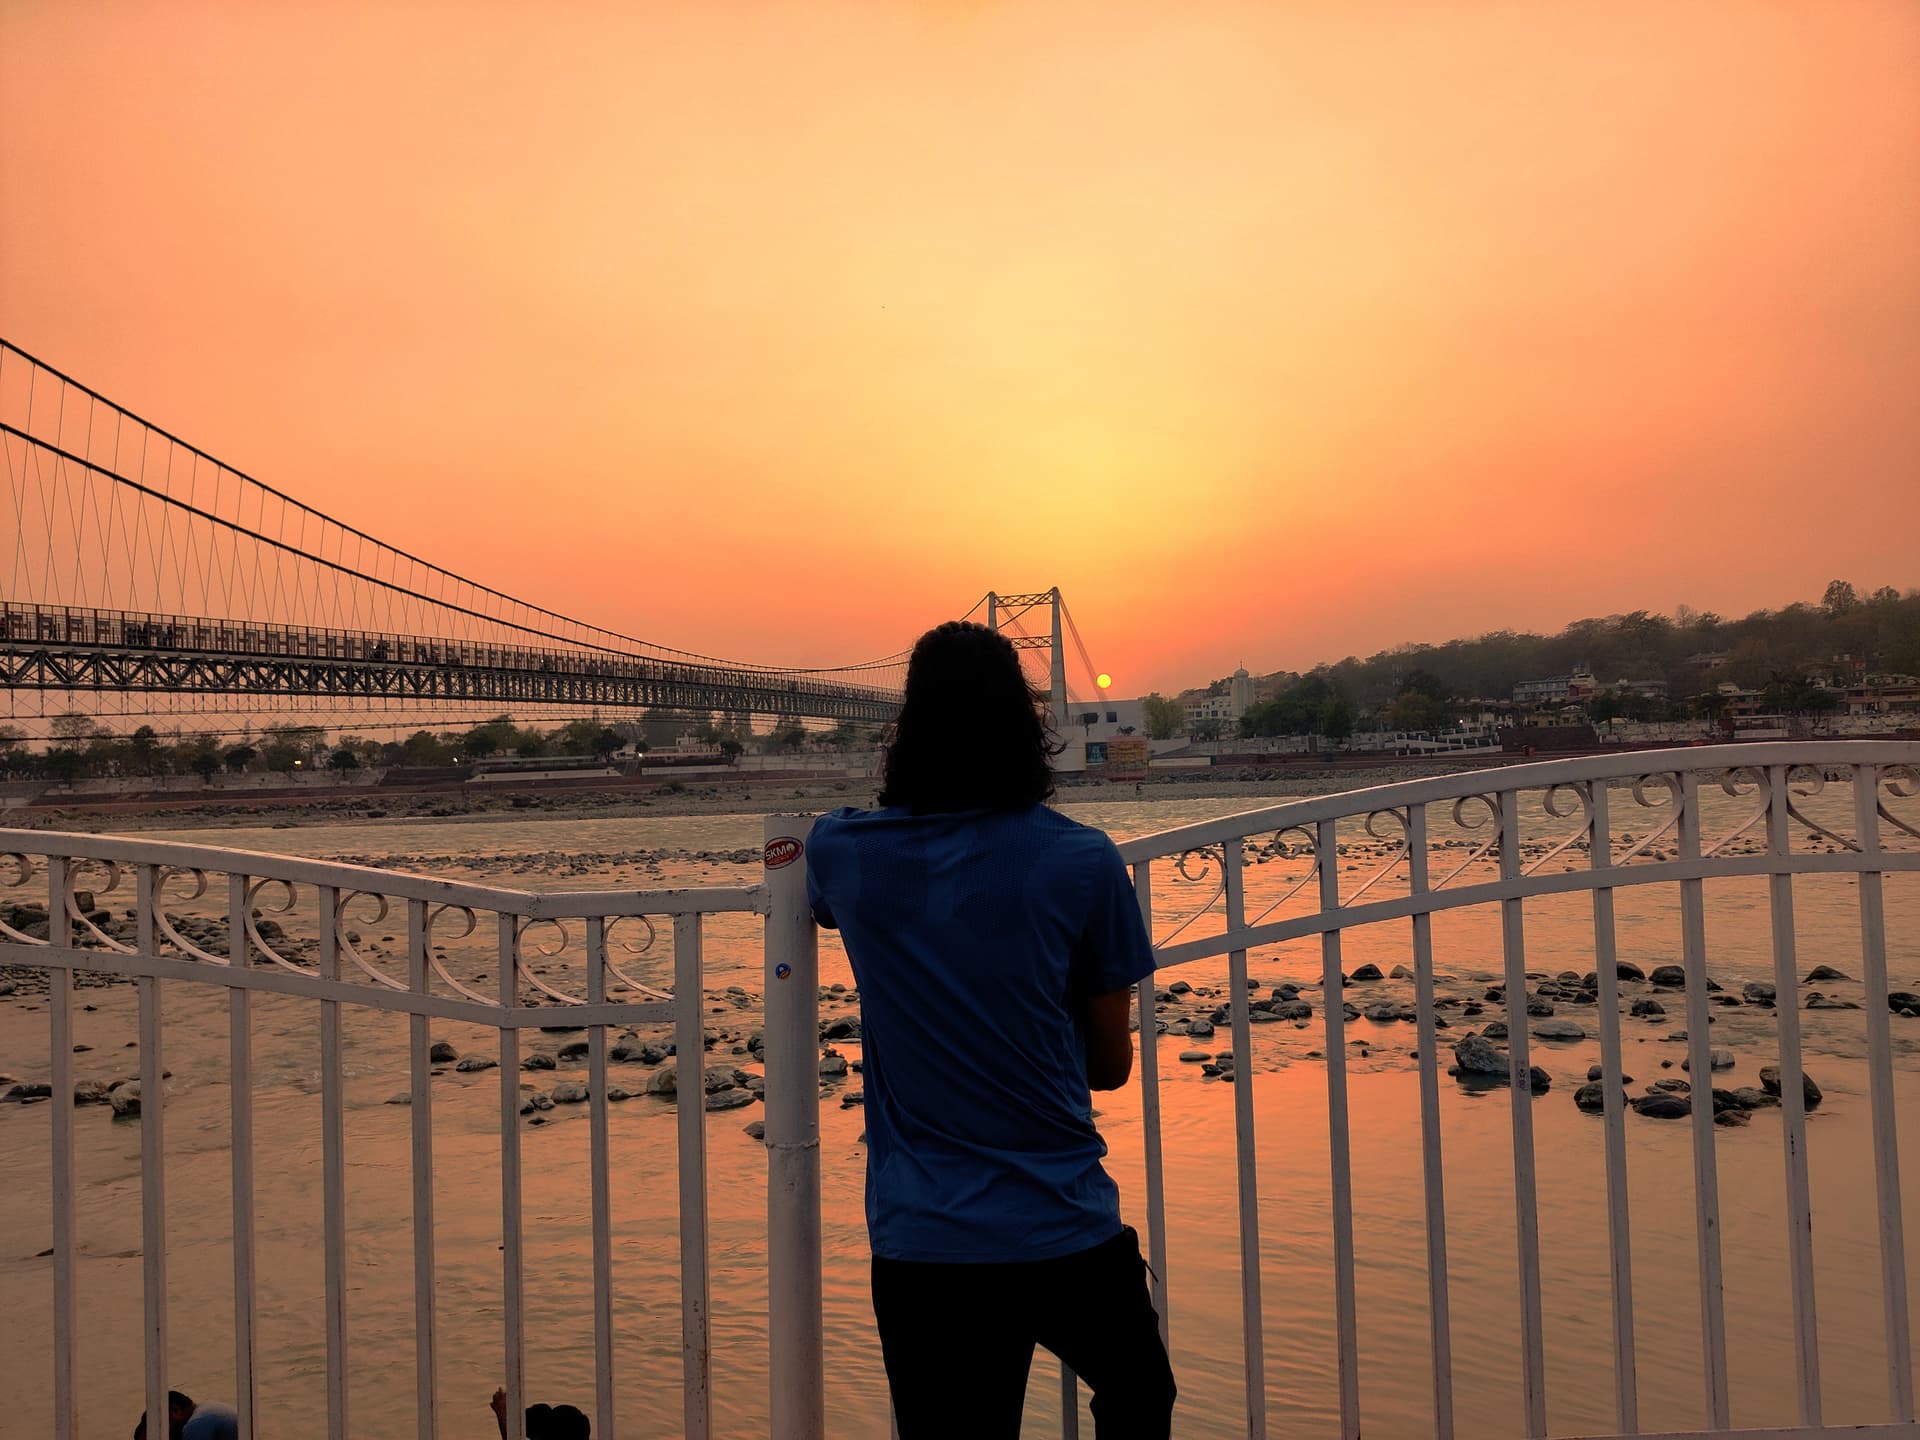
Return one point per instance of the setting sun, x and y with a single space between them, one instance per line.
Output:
1103 680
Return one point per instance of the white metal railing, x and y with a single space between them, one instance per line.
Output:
335 969
1524 831
1221 888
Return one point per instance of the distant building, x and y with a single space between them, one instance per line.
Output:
1883 695
1240 692
1227 708
1212 707
1555 690
1105 719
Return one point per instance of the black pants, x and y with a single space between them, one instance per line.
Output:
958 1341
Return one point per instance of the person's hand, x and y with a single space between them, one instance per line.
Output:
499 1406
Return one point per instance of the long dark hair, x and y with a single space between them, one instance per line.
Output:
972 733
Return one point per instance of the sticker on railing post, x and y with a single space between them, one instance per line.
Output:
781 852
782 970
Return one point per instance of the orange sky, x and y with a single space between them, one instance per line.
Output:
1268 331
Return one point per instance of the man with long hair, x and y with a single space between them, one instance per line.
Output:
995 944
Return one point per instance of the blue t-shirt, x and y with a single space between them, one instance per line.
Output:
975 939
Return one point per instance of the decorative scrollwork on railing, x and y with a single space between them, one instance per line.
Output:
106 886
642 948
1489 814
1675 803
1805 782
164 924
289 902
559 928
1563 801
1208 858
1403 847
343 937
1903 782
433 951
1742 781
23 873
1277 847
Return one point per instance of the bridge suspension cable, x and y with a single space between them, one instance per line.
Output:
133 545
93 446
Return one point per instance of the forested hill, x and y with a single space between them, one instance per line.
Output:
1882 627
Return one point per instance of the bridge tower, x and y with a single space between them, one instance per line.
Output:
1004 608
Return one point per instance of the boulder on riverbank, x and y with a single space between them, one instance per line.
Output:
1770 1082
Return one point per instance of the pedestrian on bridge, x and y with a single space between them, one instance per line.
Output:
996 945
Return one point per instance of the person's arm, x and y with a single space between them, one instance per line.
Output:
1114 954
1109 1041
499 1404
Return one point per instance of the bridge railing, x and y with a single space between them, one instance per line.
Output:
255 925
1401 854
88 627
1318 869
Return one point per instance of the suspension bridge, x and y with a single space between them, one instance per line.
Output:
147 577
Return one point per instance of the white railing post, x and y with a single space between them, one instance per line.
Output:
66 1325
796 1373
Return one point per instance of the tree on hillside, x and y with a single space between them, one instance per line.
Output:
1337 726
1165 718
1416 710
1689 651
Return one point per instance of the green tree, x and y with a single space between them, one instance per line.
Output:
1605 709
1165 718
238 757
1840 598
281 756
424 748
143 746
205 761
71 725
343 759
1416 710
1337 725
730 748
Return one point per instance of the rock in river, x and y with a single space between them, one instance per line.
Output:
1669 975
476 1062
1664 1105
1477 1055
1559 1030
442 1053
1770 1082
